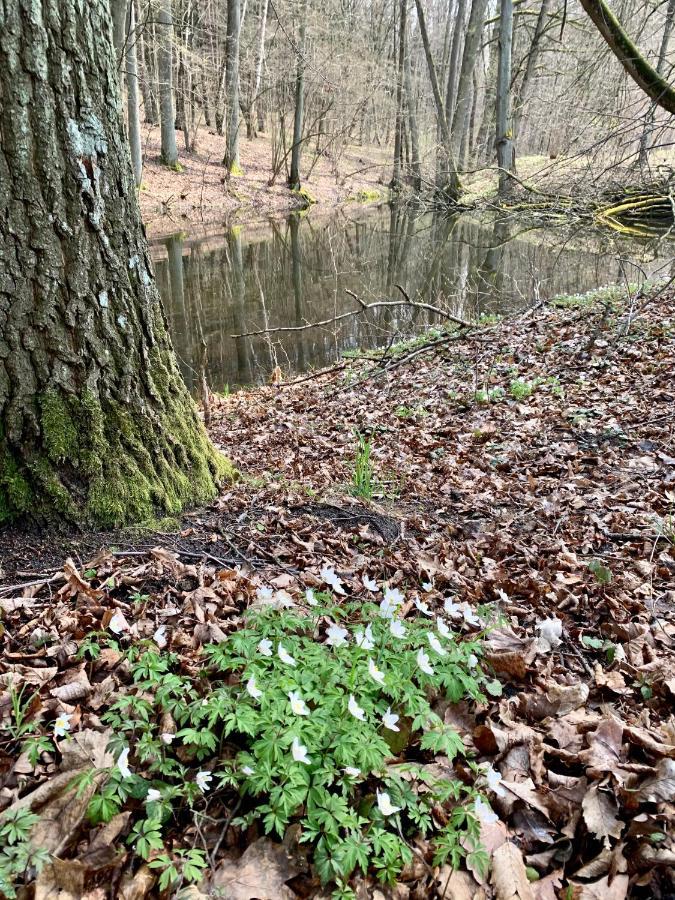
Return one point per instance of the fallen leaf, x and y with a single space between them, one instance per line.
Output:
260 873
508 874
600 814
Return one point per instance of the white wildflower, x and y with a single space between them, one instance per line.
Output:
494 779
247 770
387 609
352 771
550 634
310 598
375 673
159 637
265 647
503 596
336 636
122 763
252 688
452 609
389 720
442 627
472 661
153 795
394 596
423 662
203 780
285 656
369 584
484 812
427 586
355 709
384 804
62 724
469 615
167 737
264 595
397 628
298 705
435 644
332 580
299 752
364 639
118 623
423 607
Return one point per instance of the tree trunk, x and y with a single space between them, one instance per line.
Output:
134 122
660 65
503 136
471 53
231 158
639 69
396 183
259 66
169 150
96 424
530 67
147 67
453 68
296 150
415 167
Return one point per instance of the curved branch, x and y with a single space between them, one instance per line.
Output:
639 69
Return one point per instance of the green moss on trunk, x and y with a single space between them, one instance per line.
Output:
109 465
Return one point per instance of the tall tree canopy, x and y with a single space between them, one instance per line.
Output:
95 421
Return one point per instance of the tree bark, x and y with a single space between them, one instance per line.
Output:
639 69
147 66
660 65
396 183
231 158
472 43
299 114
504 136
453 68
96 424
169 150
415 166
530 67
133 116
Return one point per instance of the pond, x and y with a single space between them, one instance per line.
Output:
295 272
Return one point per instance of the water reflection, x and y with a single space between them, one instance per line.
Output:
294 272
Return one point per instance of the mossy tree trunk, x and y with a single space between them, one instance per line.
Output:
96 424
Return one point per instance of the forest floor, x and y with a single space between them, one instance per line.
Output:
525 468
200 195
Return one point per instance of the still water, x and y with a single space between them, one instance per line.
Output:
294 272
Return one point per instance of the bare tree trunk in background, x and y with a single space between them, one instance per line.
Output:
259 66
96 425
169 150
447 180
145 60
660 66
530 67
396 182
486 131
504 136
118 11
231 158
133 117
415 166
472 42
299 114
453 68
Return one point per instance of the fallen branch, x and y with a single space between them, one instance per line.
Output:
364 307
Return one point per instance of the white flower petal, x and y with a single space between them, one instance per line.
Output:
167 737
299 752
369 584
423 662
264 595
331 579
389 720
153 795
122 763
427 586
384 804
442 627
310 598
118 623
252 688
203 781
298 705
265 647
355 709
550 634
285 656
472 661
364 639
394 597
452 609
336 636
247 770
352 771
494 779
375 673
423 607
159 637
397 628
435 644
62 724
